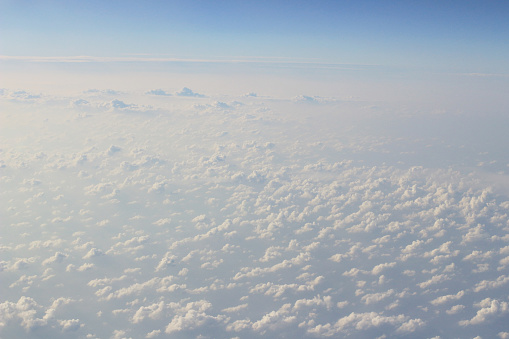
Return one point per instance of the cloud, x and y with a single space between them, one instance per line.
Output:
379 268
364 321
186 92
58 257
94 252
376 297
25 310
436 279
487 284
102 91
193 316
154 311
410 326
201 223
275 320
455 309
447 298
159 92
20 96
70 325
489 308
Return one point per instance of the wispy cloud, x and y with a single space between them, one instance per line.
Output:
487 75
147 58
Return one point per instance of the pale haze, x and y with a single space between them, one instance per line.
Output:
248 169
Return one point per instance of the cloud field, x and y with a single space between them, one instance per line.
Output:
184 214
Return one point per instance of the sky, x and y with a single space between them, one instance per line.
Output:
247 169
446 53
458 36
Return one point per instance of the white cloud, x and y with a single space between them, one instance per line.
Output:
446 298
379 268
410 326
193 316
489 308
275 320
436 279
186 92
58 257
70 325
376 297
158 92
487 284
203 219
154 311
94 252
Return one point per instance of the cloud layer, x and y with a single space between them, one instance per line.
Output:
192 215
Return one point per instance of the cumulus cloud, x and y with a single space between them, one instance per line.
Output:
446 298
94 252
487 284
205 220
275 320
193 316
489 309
158 92
58 257
186 92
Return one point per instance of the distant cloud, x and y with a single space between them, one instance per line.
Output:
186 92
102 91
247 60
19 96
313 99
121 106
305 98
158 92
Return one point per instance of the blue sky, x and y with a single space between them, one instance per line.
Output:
456 36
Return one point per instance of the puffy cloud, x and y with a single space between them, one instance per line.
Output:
58 257
193 316
154 311
22 263
275 320
153 334
287 263
379 268
158 92
168 260
316 301
102 91
487 284
447 298
410 326
271 229
364 321
186 92
235 309
436 279
20 96
474 234
94 252
489 308
162 222
70 325
376 297
134 289
25 310
455 309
